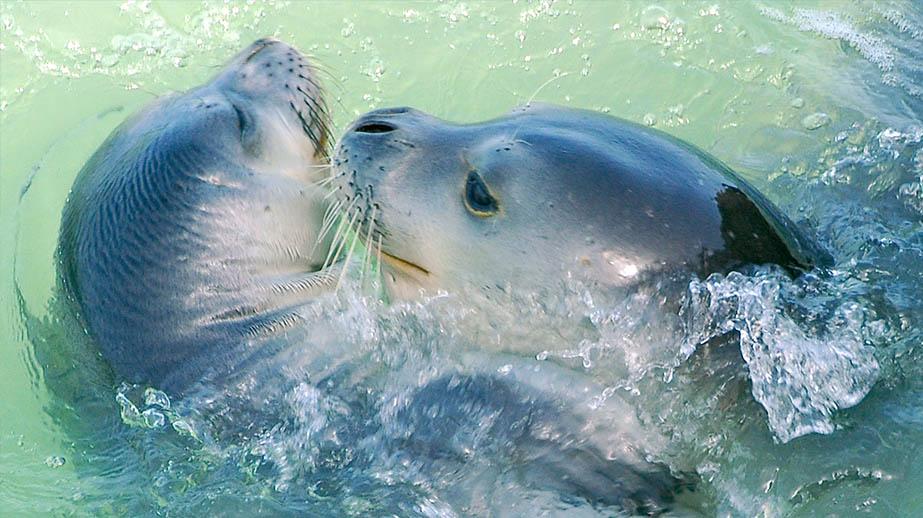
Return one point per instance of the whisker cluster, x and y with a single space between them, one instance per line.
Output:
309 104
350 219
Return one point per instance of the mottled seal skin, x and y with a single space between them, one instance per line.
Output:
545 193
193 229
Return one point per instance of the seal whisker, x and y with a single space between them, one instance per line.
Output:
342 232
326 224
368 242
532 98
349 255
319 111
543 85
318 143
329 194
329 220
335 241
329 216
315 68
378 254
345 214
329 179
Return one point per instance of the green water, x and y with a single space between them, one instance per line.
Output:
820 107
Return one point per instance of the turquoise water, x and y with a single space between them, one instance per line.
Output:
819 106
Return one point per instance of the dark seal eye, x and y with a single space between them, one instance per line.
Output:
478 197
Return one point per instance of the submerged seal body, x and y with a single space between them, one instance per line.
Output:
546 192
195 226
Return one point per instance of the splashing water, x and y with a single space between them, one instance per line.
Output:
800 376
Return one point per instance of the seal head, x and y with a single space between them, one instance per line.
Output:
194 227
548 192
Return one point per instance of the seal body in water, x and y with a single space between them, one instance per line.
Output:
522 203
547 192
193 229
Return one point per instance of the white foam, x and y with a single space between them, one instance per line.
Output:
801 371
831 25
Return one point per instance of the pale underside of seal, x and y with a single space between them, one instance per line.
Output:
194 227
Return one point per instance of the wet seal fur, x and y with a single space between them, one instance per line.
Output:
194 228
548 192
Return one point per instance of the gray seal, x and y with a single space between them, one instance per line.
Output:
544 193
195 228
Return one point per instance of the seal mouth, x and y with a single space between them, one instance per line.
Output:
404 265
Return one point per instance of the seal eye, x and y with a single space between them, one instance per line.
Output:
477 196
249 134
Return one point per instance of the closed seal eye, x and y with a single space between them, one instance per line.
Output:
249 137
478 199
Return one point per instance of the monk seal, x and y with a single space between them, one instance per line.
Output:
195 226
547 192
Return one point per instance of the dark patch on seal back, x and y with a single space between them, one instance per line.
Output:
748 237
781 237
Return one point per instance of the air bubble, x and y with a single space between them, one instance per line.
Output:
815 120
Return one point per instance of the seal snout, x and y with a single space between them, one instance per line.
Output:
276 81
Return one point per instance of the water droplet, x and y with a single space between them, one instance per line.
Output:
348 30
129 412
184 428
655 17
153 418
55 461
154 397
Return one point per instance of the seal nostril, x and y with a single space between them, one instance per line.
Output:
375 127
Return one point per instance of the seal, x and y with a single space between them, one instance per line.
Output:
196 226
544 193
